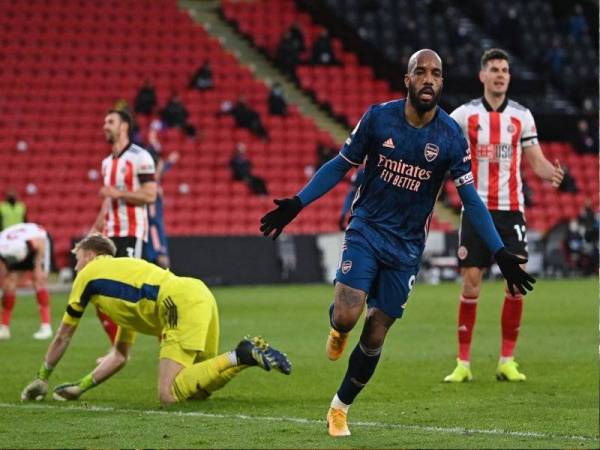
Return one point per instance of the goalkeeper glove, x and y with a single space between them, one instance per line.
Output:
516 277
38 388
72 391
275 220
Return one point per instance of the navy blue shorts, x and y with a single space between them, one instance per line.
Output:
387 287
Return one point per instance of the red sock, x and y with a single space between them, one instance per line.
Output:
109 326
43 299
511 322
467 311
8 303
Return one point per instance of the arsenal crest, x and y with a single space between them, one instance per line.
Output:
431 152
346 266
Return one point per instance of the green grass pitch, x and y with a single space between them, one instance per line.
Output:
405 405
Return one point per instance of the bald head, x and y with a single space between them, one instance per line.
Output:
423 80
421 56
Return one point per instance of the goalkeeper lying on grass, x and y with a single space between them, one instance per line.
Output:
141 297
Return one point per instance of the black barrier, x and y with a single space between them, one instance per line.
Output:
222 260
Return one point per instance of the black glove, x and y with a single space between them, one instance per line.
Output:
512 272
287 209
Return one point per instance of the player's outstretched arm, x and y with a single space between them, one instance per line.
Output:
38 388
108 366
509 264
287 209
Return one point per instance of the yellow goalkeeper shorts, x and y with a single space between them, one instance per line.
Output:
190 318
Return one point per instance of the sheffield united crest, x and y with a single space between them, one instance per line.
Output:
431 152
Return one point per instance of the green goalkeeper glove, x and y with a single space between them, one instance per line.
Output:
72 391
38 388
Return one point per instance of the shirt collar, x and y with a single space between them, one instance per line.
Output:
489 108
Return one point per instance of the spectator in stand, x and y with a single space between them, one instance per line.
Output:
12 211
156 248
322 52
203 78
568 184
241 170
245 117
298 37
324 153
145 100
175 115
585 141
573 245
554 58
587 218
577 23
527 195
277 102
287 56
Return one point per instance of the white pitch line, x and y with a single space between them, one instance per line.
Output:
299 420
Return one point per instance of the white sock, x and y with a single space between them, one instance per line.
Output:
462 362
505 359
338 404
45 326
232 355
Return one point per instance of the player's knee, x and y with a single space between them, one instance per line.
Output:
343 321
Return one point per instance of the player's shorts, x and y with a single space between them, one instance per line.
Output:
28 263
128 246
190 320
472 251
387 287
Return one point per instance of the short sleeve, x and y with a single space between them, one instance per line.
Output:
460 164
145 164
75 306
356 146
459 116
529 134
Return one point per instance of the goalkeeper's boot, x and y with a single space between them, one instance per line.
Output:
45 332
460 374
4 333
508 371
337 423
256 351
336 343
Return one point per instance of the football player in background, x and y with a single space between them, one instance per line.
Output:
500 131
25 247
129 186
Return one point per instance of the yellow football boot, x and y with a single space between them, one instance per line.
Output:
336 343
508 371
460 374
337 424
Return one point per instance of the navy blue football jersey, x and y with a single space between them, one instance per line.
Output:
404 171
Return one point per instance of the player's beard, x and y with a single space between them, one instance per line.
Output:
420 106
110 137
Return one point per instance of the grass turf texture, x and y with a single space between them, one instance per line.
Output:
405 404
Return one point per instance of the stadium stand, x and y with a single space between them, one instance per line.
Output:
346 90
65 62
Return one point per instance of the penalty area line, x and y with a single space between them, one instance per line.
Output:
297 420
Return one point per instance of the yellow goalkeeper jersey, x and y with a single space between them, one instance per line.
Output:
128 290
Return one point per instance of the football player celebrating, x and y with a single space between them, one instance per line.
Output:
407 147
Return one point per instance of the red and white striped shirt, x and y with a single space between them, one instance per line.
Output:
127 172
496 141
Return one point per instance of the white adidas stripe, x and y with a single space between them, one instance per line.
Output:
298 420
